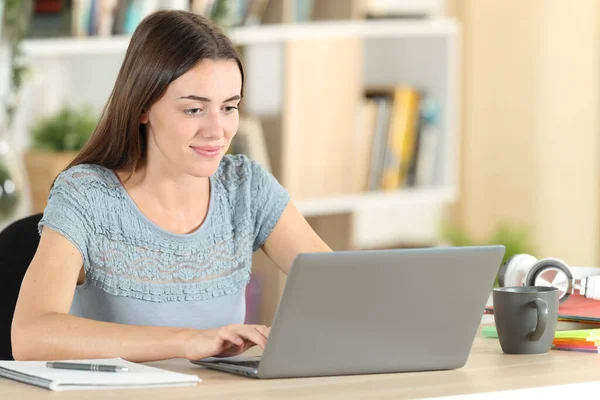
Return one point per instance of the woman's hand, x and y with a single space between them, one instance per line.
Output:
227 341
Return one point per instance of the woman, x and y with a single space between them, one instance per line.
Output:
147 238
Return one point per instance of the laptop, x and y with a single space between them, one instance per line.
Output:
375 311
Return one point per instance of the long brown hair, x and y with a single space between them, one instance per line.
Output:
164 46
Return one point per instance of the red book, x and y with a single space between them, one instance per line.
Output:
575 308
47 6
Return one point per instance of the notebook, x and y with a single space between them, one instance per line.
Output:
139 376
580 308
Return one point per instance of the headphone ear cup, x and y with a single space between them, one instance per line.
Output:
515 269
534 272
502 271
554 263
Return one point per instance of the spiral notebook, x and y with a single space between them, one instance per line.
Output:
139 376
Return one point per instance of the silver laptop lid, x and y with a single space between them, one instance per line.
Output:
380 311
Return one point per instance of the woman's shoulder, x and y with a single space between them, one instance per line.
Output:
86 175
85 181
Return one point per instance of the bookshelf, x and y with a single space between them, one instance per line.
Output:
254 35
305 83
413 52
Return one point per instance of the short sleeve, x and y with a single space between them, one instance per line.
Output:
68 213
269 199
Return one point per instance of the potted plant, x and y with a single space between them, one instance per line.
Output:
56 140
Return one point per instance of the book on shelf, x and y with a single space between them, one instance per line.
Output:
401 137
115 17
48 18
379 128
86 18
404 8
397 140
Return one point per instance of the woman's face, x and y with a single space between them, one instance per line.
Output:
191 126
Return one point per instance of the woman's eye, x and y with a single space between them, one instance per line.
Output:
193 111
230 109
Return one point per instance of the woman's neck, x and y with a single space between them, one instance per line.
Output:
177 202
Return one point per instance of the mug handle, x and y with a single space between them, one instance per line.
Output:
542 318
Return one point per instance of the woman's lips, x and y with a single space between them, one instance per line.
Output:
207 151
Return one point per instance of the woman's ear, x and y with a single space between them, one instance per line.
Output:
144 117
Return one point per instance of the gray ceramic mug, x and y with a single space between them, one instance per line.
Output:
526 318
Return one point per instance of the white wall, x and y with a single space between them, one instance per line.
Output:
531 149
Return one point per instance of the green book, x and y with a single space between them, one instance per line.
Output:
490 332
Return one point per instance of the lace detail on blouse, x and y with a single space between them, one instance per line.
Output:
125 254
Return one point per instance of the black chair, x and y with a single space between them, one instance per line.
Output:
18 244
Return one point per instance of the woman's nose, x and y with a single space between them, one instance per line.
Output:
214 129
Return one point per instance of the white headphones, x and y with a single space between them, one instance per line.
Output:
526 270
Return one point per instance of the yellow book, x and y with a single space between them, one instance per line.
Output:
401 137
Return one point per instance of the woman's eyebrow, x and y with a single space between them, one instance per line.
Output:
206 99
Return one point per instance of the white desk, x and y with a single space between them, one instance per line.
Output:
487 369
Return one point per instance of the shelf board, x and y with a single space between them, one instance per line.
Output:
272 33
69 46
330 29
374 200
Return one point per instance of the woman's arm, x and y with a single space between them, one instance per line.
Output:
42 329
291 236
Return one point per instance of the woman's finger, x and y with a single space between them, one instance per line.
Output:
230 336
253 335
263 330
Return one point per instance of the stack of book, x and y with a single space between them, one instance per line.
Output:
585 340
578 327
576 312
579 309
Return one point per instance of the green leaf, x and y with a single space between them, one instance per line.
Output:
455 235
516 239
67 130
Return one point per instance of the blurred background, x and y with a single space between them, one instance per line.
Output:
393 123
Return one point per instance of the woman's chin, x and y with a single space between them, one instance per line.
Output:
204 169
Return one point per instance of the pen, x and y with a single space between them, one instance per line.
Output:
86 367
